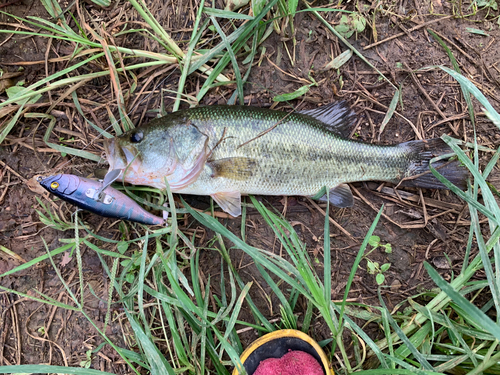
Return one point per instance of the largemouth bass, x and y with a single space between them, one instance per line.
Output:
229 151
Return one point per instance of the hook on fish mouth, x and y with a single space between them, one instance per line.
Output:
119 156
110 177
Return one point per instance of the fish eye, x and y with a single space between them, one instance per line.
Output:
54 185
136 137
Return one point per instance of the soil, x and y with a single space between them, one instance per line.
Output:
420 225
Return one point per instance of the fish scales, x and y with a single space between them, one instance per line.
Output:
297 157
227 151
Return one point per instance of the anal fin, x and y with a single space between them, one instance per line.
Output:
340 196
230 202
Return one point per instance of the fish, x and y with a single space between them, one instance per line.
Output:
229 151
88 195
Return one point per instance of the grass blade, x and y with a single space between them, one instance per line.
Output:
231 52
47 369
474 313
390 112
155 358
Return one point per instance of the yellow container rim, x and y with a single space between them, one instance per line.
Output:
283 333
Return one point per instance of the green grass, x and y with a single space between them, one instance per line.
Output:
186 328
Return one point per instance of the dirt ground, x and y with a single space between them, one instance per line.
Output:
420 225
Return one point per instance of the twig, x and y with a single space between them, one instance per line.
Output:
422 90
13 171
469 57
4 193
402 226
417 133
220 215
332 221
449 119
429 247
4 307
55 307
414 198
426 218
409 31
15 326
7 4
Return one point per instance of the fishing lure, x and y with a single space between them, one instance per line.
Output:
98 197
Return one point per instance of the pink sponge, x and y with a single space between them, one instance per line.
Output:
292 363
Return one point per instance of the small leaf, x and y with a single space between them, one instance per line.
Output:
102 3
374 241
385 267
122 247
380 278
292 6
258 5
85 364
351 23
130 278
487 4
344 30
388 248
340 60
226 14
476 31
235 4
370 266
390 112
359 22
14 90
293 95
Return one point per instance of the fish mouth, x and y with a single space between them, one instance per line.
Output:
114 155
121 157
109 151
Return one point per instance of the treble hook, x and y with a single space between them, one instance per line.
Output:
110 177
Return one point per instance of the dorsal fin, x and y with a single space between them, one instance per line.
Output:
338 117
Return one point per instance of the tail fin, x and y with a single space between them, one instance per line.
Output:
420 153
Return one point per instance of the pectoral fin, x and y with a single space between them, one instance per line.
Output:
229 202
340 196
237 168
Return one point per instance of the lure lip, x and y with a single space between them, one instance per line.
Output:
52 183
45 181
